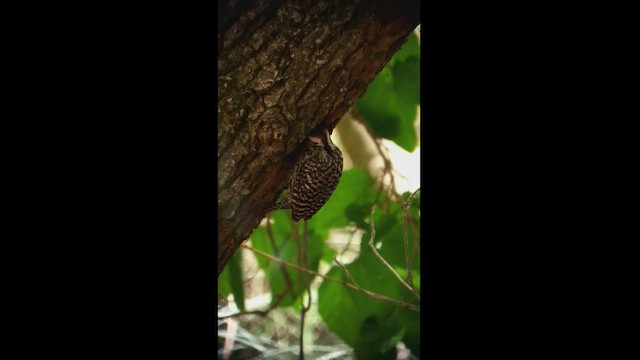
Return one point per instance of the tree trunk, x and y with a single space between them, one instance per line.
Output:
284 68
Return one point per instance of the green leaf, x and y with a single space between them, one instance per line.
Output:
224 288
411 337
354 186
374 326
407 82
390 104
350 203
230 281
286 249
378 340
383 224
235 279
409 49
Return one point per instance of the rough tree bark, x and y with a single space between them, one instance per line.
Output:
284 68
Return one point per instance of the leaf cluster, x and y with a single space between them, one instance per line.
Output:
370 326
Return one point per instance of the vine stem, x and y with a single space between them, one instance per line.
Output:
404 238
343 283
303 256
383 261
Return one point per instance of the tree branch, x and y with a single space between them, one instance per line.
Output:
283 70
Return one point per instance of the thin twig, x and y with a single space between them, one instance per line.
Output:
384 262
404 237
369 293
388 166
346 272
350 286
303 254
296 237
416 240
305 257
351 236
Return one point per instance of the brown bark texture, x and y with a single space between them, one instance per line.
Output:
285 68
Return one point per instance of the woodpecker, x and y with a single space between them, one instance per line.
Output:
315 175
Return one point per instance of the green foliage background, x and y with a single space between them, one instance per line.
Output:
371 327
390 104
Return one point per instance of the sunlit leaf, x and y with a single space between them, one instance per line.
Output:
390 104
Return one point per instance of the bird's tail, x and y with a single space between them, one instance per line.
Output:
278 206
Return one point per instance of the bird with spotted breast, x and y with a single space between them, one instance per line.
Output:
315 176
